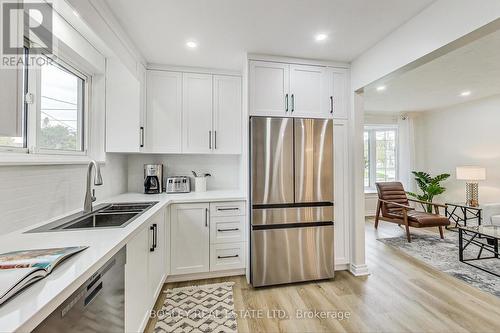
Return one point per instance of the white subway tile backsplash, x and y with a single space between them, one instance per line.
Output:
32 194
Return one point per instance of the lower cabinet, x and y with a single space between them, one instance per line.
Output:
144 271
207 237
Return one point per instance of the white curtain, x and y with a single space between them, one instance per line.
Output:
406 144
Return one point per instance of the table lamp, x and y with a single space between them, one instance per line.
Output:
471 174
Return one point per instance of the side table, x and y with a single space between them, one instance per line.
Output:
460 214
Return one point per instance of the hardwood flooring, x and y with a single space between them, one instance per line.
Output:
401 294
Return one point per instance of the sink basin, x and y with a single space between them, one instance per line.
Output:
115 215
101 221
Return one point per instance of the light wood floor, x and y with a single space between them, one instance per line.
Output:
401 294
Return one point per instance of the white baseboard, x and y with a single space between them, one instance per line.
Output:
206 275
342 267
359 270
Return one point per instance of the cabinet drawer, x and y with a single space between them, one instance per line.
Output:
233 208
227 256
227 229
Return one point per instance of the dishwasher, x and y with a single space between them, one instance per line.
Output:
97 306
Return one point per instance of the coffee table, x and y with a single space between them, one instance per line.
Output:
484 238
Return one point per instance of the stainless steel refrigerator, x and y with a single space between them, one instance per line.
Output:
292 220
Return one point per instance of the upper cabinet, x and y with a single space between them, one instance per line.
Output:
290 90
164 112
269 88
197 134
227 122
124 129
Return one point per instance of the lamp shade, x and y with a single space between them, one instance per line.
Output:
471 173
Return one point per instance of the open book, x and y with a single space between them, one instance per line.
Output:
19 269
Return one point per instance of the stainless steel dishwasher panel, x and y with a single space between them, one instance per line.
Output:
97 306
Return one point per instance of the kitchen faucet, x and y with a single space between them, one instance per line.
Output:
90 195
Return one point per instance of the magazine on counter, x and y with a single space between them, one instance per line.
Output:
19 269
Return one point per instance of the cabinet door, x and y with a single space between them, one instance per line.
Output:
137 300
341 170
157 254
190 238
227 115
123 118
340 93
197 113
309 91
269 89
164 112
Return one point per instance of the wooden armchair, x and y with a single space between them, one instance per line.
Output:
394 206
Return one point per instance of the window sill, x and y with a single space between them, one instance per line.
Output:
12 159
370 191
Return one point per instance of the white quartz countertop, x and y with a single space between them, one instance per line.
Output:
27 309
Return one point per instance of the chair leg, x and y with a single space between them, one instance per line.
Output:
441 233
405 221
377 215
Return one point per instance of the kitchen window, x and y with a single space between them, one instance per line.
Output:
380 155
55 99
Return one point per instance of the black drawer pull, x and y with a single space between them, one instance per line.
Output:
223 230
225 257
232 208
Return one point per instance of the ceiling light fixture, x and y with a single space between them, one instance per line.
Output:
191 44
320 37
465 93
381 88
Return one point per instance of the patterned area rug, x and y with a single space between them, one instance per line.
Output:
206 308
443 255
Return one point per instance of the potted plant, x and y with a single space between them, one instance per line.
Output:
430 187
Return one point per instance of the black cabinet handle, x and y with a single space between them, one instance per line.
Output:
206 217
155 238
224 230
142 137
293 103
215 139
331 104
224 209
225 257
209 139
152 248
286 103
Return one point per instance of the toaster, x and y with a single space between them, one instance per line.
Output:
179 184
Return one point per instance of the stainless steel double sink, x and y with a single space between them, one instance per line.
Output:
113 215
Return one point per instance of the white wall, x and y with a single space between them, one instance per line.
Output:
225 169
33 194
465 134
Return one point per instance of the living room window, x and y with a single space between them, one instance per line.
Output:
380 154
55 100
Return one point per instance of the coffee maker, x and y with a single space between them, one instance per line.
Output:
153 178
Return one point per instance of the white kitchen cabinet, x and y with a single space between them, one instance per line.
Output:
137 299
124 130
227 124
157 252
269 85
227 229
164 112
309 92
227 256
197 113
190 248
341 192
340 91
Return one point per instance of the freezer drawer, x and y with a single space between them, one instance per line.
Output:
267 216
292 255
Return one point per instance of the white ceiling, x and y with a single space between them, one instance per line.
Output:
474 67
226 29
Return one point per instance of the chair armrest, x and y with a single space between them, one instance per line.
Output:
397 204
427 203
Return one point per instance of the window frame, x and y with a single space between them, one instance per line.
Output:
372 152
32 113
